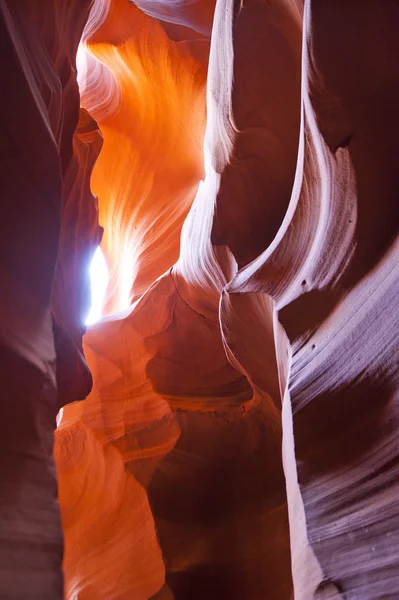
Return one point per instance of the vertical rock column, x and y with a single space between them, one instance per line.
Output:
344 376
39 107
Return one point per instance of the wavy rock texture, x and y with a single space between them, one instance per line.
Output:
40 337
331 270
239 440
150 107
272 330
80 234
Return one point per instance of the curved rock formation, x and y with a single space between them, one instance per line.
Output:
239 439
40 111
151 111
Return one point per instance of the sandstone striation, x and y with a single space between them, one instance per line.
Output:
235 435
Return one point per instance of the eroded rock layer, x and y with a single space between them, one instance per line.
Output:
239 438
41 358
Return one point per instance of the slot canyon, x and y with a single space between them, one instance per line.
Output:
218 417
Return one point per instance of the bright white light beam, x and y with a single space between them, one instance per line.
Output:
99 282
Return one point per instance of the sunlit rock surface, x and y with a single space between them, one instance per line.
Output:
239 440
147 93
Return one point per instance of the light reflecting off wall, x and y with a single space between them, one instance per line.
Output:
81 66
59 417
99 282
126 270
